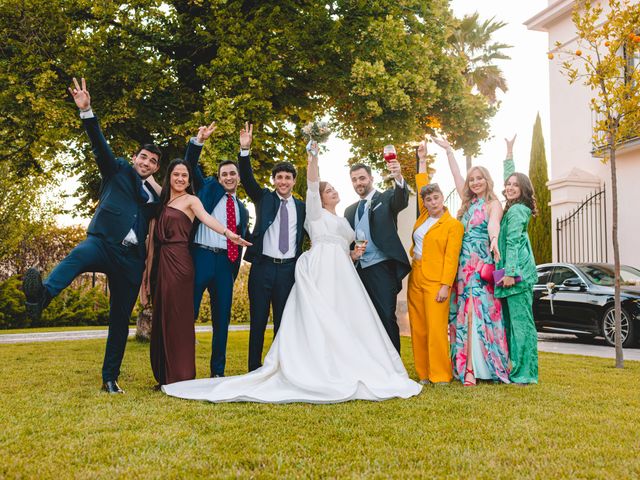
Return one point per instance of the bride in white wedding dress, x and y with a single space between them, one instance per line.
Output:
331 346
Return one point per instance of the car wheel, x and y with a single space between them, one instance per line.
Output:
609 326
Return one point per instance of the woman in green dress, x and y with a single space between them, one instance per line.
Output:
516 288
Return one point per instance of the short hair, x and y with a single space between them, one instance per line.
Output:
358 166
429 189
227 162
150 147
283 167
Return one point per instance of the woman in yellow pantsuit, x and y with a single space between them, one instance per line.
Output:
437 239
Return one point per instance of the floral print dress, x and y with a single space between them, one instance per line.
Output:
472 295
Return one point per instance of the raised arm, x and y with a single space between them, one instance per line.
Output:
193 151
422 178
313 202
458 179
244 163
509 167
202 215
105 159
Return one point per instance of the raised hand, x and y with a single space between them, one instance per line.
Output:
422 151
246 136
205 132
312 151
510 145
80 94
441 142
395 169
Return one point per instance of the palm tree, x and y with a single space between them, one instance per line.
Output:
472 41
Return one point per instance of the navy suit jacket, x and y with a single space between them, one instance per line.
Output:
210 192
122 204
267 204
383 223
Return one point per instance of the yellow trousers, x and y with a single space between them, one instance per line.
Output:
429 327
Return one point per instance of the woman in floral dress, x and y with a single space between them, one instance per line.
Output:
476 330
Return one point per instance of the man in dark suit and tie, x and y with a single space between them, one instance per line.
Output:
215 258
277 239
385 262
115 243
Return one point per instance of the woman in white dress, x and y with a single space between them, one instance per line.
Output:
331 346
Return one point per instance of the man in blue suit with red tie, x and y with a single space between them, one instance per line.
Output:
115 243
215 258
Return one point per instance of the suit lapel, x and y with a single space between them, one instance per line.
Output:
375 201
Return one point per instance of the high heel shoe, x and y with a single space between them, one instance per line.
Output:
469 379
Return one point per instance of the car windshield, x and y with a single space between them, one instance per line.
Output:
603 275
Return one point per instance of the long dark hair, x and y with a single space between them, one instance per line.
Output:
165 194
527 195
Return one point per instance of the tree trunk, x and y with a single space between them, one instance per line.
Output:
468 163
143 324
616 255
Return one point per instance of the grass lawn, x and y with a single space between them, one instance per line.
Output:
582 421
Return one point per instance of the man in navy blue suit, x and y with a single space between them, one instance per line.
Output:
277 239
216 259
115 243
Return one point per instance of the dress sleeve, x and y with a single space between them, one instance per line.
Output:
518 218
509 168
313 205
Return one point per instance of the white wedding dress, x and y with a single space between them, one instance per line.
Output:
331 346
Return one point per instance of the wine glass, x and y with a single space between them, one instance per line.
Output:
389 154
361 238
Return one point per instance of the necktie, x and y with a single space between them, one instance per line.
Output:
232 248
361 205
283 241
143 193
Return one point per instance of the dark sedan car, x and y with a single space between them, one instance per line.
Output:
578 298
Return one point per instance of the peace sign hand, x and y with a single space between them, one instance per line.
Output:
81 95
246 136
205 132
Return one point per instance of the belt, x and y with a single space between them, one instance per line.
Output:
212 249
279 260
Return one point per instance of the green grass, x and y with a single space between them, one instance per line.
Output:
581 421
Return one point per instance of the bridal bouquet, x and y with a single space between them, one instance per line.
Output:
316 131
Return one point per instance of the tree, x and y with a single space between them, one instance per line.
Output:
472 41
605 61
158 69
540 226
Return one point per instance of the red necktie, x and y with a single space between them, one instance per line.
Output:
232 248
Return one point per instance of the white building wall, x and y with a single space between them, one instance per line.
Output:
575 173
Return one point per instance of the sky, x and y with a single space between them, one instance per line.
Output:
528 94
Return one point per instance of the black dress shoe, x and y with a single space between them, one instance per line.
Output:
112 387
34 291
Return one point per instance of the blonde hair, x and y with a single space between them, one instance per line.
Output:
468 196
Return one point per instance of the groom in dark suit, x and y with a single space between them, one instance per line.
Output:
385 262
115 243
277 243
216 259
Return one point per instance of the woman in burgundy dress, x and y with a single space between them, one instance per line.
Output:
172 332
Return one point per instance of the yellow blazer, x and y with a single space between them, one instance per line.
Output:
442 243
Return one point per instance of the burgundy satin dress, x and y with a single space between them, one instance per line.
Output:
173 334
